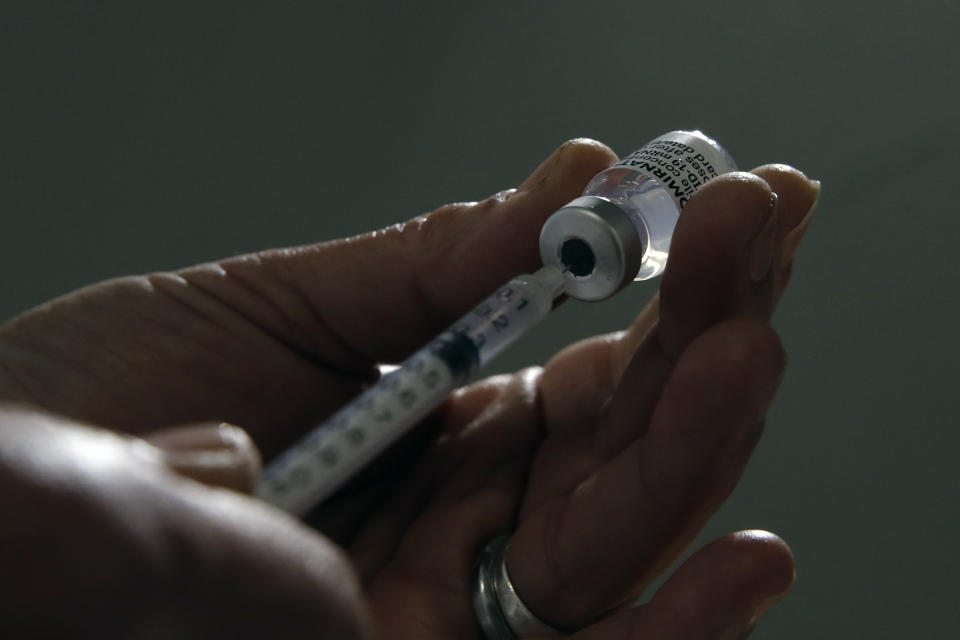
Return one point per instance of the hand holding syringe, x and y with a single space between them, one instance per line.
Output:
618 231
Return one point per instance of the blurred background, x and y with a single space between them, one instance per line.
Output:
139 137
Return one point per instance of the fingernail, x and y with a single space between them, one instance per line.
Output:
221 455
205 437
764 246
542 172
792 241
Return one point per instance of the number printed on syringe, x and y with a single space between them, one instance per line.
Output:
332 451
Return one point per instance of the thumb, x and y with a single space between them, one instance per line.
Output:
336 300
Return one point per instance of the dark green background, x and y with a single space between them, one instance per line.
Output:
137 138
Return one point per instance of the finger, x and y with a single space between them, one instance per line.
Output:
215 454
256 572
727 260
490 432
797 205
728 255
719 592
105 541
579 554
726 233
378 296
707 281
721 258
721 266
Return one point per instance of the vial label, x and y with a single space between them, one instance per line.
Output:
681 161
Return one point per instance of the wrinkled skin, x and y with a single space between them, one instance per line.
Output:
604 464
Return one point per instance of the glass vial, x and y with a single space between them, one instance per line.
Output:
619 230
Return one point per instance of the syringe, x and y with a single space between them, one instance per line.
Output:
617 232
319 464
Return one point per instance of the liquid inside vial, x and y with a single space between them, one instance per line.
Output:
652 185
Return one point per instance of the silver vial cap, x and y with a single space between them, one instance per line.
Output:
597 245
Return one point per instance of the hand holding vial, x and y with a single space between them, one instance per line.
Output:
602 465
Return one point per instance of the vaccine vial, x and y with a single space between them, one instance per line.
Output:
619 230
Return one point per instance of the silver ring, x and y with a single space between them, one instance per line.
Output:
500 612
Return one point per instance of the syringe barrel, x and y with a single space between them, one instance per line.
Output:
311 470
498 321
319 464
620 229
